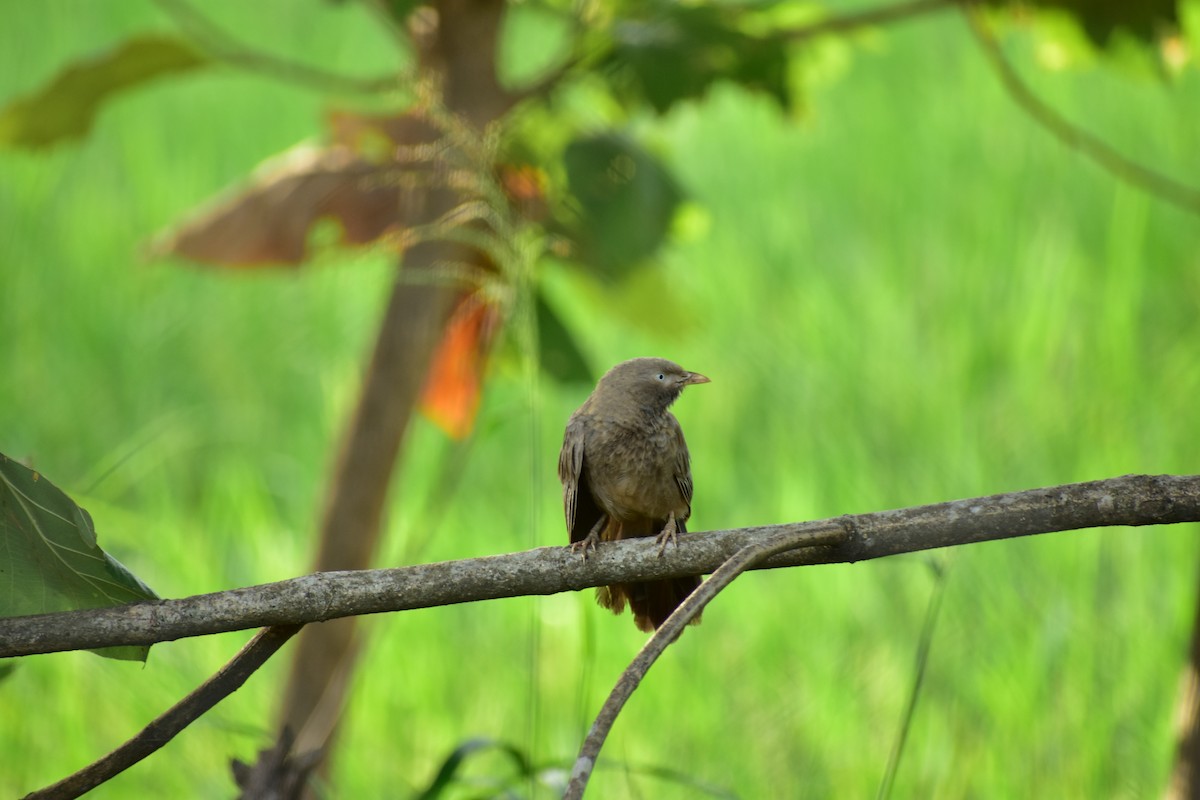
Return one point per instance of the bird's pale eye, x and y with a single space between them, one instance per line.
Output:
662 377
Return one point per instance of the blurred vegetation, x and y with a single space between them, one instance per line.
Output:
904 292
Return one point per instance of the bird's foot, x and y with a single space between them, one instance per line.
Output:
589 542
669 535
585 544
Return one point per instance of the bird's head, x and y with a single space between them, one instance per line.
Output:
652 383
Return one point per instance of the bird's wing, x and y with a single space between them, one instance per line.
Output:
579 506
570 468
683 466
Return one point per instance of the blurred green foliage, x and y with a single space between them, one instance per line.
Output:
907 295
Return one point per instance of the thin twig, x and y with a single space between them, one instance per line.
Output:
669 631
1082 141
162 730
841 23
214 41
1128 500
932 613
878 15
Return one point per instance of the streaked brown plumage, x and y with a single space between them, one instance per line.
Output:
626 472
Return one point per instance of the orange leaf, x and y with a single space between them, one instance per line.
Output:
525 187
454 385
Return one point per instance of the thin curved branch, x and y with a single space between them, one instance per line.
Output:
867 17
1129 500
223 47
1082 141
163 729
838 24
669 631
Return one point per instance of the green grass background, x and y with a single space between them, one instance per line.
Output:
909 293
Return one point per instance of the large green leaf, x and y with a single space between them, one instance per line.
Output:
672 51
49 558
626 200
558 351
65 108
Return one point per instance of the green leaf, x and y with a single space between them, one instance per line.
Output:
558 351
49 558
672 51
626 201
65 108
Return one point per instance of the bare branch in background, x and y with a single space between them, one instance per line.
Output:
1078 139
162 730
214 41
669 631
833 25
868 17
1128 500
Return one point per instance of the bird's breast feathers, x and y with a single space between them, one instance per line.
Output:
634 474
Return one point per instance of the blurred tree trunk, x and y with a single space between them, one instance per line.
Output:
354 517
456 51
1185 776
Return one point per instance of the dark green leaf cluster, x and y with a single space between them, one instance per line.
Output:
626 200
1102 20
666 52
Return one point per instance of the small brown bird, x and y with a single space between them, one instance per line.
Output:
626 472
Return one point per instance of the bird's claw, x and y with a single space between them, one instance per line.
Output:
669 535
585 544
589 542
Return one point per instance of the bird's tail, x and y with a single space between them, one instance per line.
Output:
651 601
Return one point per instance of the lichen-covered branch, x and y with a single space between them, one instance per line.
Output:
1129 500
